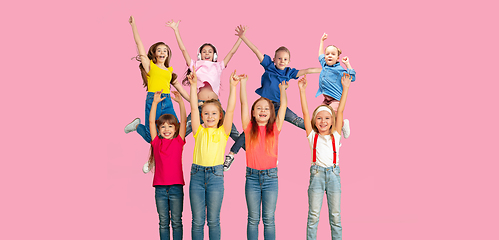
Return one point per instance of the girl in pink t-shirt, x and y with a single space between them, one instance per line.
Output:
324 134
208 72
262 129
166 157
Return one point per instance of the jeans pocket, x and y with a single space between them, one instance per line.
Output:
194 171
219 172
273 174
248 173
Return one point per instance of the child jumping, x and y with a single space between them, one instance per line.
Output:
156 75
324 134
330 78
166 155
206 189
262 127
276 72
208 72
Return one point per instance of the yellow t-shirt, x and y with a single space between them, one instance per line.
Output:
158 79
209 147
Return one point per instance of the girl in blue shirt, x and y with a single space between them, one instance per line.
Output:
330 78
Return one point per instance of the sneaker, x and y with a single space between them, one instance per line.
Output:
132 126
346 128
228 161
145 168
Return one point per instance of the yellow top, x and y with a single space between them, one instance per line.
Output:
209 147
158 79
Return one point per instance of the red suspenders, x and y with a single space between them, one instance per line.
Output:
315 146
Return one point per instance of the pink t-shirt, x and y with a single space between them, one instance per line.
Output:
257 156
168 160
208 72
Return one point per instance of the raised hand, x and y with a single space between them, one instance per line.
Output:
234 79
302 83
345 60
324 37
193 78
131 20
283 85
157 96
176 96
241 30
243 78
173 24
346 80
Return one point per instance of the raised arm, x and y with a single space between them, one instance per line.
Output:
240 31
232 51
345 81
174 26
231 104
281 114
245 114
302 84
321 45
183 115
308 71
181 90
346 61
152 115
140 47
195 122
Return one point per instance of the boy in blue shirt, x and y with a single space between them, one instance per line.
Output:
276 71
330 78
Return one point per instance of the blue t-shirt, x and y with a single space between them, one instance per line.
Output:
330 79
272 77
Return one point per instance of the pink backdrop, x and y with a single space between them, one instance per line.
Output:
420 163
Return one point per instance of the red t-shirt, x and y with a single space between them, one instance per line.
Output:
257 156
168 161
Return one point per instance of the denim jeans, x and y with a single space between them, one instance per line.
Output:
261 190
234 134
164 107
290 117
328 180
206 192
170 204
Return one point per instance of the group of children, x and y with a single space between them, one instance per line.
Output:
212 126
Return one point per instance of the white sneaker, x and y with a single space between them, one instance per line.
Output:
346 128
132 126
145 168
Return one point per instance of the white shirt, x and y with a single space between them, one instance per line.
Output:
324 148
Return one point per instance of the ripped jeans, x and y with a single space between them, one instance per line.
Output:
290 117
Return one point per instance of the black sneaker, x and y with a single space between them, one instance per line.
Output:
228 161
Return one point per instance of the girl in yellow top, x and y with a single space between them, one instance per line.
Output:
206 189
157 75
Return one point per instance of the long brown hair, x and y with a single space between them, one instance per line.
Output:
150 55
220 109
333 119
165 118
269 128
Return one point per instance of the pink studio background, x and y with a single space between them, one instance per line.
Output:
420 162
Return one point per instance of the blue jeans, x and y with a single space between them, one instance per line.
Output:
328 180
170 204
164 107
206 192
234 134
261 190
290 117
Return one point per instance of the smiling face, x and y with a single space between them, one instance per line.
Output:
323 122
207 53
161 53
167 131
331 55
211 115
281 59
261 112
